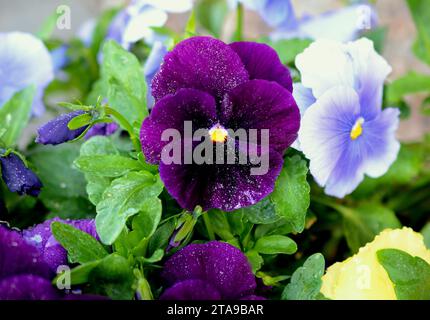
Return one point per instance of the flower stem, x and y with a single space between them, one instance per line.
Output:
123 122
208 225
239 23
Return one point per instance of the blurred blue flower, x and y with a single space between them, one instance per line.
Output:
342 24
151 67
135 22
344 131
24 61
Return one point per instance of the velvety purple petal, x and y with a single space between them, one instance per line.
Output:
19 257
262 62
18 177
170 113
225 187
191 290
27 287
56 131
260 104
53 253
219 263
202 63
102 129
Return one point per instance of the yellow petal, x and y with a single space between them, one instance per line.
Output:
361 277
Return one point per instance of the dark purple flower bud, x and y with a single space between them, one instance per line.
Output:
102 129
210 271
18 177
56 131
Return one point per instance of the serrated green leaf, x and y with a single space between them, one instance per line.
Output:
306 281
410 275
275 244
14 116
123 199
81 247
291 195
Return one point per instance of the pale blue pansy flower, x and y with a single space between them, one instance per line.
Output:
345 133
24 61
151 67
343 24
135 22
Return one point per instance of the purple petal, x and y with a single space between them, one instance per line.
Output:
218 263
53 253
260 104
202 63
262 62
56 131
225 187
102 129
18 177
27 287
191 290
19 257
170 113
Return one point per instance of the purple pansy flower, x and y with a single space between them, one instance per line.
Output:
210 271
56 131
24 61
24 275
50 250
102 129
345 133
17 176
219 87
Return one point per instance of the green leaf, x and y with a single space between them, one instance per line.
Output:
15 114
275 244
80 274
79 121
289 49
48 26
113 277
421 15
127 89
63 189
263 212
211 15
101 28
80 246
107 165
256 261
362 224
426 234
410 275
124 198
190 28
161 236
291 195
408 84
306 281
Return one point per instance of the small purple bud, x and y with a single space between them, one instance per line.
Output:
18 177
56 131
102 129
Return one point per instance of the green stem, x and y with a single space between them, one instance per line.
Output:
208 225
123 122
239 22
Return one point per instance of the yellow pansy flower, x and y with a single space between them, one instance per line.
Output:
362 277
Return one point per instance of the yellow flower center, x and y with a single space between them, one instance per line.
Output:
357 129
218 133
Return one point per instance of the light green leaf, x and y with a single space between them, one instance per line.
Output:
124 198
127 88
306 281
410 275
291 195
426 234
408 84
263 212
362 224
255 260
421 15
107 165
80 246
15 114
289 49
275 244
211 15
